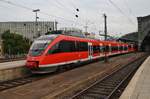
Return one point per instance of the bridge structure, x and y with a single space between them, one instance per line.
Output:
144 33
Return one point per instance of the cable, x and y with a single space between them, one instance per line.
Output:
130 10
17 5
6 14
130 20
27 8
71 11
71 2
64 6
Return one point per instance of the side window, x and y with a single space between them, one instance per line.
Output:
102 48
121 48
125 48
82 46
106 48
96 49
114 48
54 49
129 47
67 46
63 46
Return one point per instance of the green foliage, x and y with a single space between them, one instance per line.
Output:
14 44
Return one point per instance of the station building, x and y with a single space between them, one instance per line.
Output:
29 29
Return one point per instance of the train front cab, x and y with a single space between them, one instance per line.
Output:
64 51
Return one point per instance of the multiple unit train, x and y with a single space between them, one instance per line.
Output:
49 52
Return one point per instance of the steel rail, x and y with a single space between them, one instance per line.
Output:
107 86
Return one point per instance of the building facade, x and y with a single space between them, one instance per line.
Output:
29 29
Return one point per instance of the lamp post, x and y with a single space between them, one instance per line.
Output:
36 18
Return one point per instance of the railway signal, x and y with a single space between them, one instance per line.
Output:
77 10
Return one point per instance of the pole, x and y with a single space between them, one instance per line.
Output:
56 25
105 30
36 18
105 23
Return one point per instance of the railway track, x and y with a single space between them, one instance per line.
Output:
107 87
31 78
18 82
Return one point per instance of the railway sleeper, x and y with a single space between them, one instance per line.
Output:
107 84
107 87
102 89
91 96
99 92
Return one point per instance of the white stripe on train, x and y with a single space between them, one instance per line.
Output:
82 60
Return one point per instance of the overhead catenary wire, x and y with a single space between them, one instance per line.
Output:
76 13
119 9
31 9
73 4
64 6
17 5
13 16
130 10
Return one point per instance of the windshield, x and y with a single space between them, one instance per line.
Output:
38 47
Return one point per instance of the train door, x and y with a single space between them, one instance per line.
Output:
118 49
101 49
110 49
90 51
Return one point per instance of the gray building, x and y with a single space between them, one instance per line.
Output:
28 29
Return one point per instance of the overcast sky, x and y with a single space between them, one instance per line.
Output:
90 12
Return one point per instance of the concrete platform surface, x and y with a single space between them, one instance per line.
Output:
139 86
13 70
13 64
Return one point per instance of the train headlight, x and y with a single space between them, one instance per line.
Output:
32 64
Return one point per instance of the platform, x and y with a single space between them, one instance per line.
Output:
12 64
139 86
12 70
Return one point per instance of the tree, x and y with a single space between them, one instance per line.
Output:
14 44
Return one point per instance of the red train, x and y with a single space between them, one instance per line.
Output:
49 52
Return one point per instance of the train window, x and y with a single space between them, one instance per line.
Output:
63 46
129 46
125 48
38 47
120 48
114 48
54 49
67 46
102 49
82 46
96 49
106 48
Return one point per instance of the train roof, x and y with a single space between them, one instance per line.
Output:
53 36
47 37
